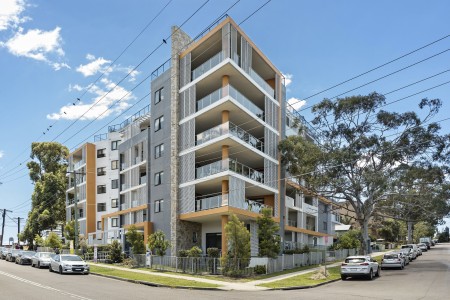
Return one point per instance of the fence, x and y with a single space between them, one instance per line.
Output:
209 265
102 256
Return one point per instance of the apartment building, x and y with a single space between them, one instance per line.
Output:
95 168
208 149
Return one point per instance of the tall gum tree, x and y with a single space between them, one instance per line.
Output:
48 174
359 148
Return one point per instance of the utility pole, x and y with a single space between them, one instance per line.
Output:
18 229
75 242
3 224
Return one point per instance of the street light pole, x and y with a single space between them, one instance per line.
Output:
75 242
3 224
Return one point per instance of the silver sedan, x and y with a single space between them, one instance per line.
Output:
41 259
68 263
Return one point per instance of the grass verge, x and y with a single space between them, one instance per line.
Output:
167 281
302 280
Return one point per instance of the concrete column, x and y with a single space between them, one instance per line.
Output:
225 189
224 235
225 116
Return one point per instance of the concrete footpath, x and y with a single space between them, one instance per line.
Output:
226 285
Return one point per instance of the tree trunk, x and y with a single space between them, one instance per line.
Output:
364 236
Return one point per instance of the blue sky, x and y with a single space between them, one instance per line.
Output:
50 51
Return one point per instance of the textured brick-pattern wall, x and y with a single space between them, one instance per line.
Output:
254 241
179 41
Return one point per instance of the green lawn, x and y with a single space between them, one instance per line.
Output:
303 280
168 281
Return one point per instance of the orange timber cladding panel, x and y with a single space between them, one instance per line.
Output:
91 202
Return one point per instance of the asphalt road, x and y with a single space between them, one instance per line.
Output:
428 277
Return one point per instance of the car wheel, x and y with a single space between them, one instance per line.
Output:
378 272
50 269
39 264
60 270
32 265
86 273
343 277
401 268
370 276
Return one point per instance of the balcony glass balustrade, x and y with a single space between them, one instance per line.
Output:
208 203
226 128
261 82
233 93
292 223
207 65
217 200
78 165
232 165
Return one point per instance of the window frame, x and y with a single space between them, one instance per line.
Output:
116 201
103 205
101 171
158 205
115 145
159 149
116 161
102 187
158 96
101 153
160 121
114 222
158 175
116 186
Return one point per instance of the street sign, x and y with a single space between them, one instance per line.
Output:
95 254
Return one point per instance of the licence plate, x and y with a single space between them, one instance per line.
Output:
353 269
77 269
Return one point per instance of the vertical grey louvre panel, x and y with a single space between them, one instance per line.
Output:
226 40
275 203
236 194
187 102
185 70
187 167
234 44
246 55
270 173
270 143
254 241
271 113
187 199
277 84
187 134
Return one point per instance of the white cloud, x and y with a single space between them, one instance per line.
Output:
2 153
101 109
39 45
10 13
287 79
296 103
96 65
75 87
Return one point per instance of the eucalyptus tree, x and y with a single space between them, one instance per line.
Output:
360 148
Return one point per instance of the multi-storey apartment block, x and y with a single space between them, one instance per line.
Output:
209 149
97 182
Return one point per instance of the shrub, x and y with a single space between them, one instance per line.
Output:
195 252
157 243
183 253
136 239
260 269
213 252
115 252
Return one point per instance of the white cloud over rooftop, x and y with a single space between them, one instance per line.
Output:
10 13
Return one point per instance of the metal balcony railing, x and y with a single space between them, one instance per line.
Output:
226 128
261 82
232 165
207 65
208 203
292 223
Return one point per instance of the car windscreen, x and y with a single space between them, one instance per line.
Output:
390 256
45 255
70 258
15 251
354 260
406 246
28 253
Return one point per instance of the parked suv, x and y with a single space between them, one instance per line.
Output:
393 260
360 266
413 248
4 252
11 256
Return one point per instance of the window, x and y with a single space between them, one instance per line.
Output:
159 178
158 123
101 189
114 222
99 225
159 150
101 171
159 96
114 145
158 206
80 213
114 203
114 165
325 225
101 207
101 153
115 183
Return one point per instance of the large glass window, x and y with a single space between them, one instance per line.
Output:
158 123
114 145
159 177
114 222
159 96
159 150
115 183
114 165
159 206
114 203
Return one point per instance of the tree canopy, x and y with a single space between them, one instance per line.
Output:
48 174
361 148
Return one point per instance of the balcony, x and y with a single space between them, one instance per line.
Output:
217 201
124 206
233 93
226 128
292 223
143 180
290 202
207 65
208 203
335 218
138 202
138 160
123 166
231 165
262 83
311 227
79 164
309 209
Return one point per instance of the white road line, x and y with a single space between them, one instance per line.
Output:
43 286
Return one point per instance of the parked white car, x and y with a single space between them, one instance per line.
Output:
414 248
41 259
68 263
360 266
393 260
